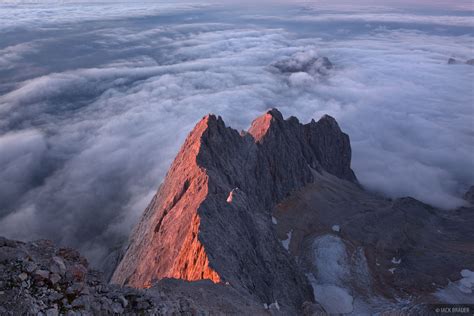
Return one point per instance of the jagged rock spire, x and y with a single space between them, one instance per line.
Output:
192 230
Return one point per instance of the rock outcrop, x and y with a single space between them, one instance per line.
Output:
302 62
453 61
211 218
37 278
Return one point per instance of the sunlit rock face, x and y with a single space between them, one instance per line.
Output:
211 218
165 243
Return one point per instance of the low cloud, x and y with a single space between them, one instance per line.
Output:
85 142
14 54
21 160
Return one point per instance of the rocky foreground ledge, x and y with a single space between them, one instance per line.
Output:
37 278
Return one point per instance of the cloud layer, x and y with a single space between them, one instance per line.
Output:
92 113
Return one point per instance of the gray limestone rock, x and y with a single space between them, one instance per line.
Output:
226 184
94 296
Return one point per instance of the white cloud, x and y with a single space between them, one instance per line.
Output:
27 14
21 157
15 53
95 141
376 17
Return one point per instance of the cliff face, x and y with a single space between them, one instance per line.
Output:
165 243
211 218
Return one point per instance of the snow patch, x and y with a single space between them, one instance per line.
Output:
274 220
459 292
333 274
331 271
392 270
286 242
274 306
467 282
330 259
396 261
334 299
231 195
336 228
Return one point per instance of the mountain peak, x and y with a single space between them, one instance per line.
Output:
329 119
212 212
209 121
275 114
261 125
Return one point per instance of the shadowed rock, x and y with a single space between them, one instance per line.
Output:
37 278
375 250
452 61
211 217
304 63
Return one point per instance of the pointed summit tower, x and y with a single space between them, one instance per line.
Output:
211 217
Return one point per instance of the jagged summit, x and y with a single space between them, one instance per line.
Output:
268 221
211 216
261 125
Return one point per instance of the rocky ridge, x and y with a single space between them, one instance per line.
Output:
289 193
221 177
271 220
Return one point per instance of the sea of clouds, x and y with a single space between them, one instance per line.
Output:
96 99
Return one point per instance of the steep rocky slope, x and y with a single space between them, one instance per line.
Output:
37 278
375 254
211 218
